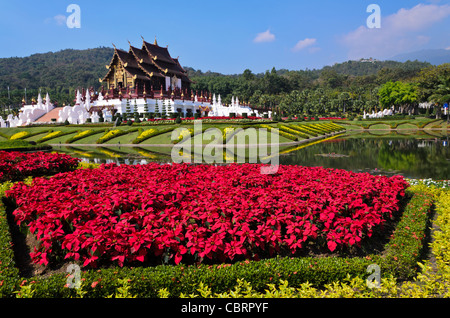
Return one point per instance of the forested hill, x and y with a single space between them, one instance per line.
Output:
350 68
61 73
66 68
367 67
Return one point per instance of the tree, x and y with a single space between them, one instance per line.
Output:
441 94
428 80
248 75
344 101
146 113
127 110
403 96
156 108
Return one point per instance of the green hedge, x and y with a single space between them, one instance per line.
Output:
9 274
400 259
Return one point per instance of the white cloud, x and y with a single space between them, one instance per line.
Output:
302 44
399 32
264 37
58 19
448 48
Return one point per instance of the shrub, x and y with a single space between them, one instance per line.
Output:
20 135
82 134
146 134
110 134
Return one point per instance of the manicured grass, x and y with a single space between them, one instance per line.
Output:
36 137
163 139
90 139
166 138
125 139
407 126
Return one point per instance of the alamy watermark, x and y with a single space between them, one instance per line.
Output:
74 278
374 279
229 146
73 20
374 20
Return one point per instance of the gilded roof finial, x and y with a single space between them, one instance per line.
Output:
156 43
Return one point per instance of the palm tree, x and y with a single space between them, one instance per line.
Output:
441 94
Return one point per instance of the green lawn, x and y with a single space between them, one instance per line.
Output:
125 139
166 138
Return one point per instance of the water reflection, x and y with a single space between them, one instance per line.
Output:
414 156
411 156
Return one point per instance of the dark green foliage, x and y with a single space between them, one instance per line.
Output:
59 74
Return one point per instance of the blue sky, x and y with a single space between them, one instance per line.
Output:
231 36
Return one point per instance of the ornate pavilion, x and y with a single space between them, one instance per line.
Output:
148 70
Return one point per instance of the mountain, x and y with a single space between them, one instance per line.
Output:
435 57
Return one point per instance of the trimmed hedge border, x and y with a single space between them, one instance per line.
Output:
45 138
156 133
90 133
9 273
399 259
121 132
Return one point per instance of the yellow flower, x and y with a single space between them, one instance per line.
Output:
51 135
146 133
83 133
110 134
19 135
185 133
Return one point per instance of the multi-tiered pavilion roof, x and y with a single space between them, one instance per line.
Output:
150 67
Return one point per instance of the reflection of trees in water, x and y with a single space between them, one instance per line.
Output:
414 158
362 154
419 157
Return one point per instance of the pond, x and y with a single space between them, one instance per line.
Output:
417 155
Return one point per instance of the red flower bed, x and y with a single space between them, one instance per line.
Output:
17 165
192 213
211 118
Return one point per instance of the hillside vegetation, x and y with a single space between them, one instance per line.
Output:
343 87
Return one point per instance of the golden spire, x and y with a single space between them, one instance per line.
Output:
156 43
